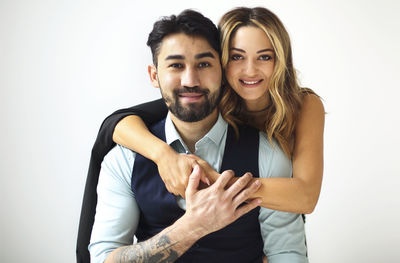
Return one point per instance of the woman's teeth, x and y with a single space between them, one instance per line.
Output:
250 82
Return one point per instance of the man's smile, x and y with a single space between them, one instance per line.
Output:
191 96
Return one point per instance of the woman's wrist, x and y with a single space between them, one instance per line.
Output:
161 151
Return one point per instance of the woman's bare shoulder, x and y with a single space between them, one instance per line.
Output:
312 105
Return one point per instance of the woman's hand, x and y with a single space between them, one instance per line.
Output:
209 172
175 168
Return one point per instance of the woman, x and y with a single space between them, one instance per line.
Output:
262 90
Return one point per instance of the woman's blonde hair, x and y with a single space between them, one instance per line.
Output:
284 90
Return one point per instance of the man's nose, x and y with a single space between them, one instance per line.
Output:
190 78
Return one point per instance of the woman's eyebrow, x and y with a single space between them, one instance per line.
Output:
264 50
238 49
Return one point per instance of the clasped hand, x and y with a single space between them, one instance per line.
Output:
215 207
175 169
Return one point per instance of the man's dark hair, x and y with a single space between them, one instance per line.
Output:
189 22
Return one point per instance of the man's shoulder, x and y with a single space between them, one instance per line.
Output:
273 159
117 165
119 151
270 145
118 157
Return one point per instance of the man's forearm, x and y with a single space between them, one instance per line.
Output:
157 249
167 246
207 211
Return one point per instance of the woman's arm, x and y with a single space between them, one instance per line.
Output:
300 193
132 132
174 168
123 125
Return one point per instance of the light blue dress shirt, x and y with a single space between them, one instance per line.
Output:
117 214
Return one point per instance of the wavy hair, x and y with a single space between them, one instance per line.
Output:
284 90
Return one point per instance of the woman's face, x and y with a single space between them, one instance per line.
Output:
250 66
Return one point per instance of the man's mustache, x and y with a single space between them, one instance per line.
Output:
196 89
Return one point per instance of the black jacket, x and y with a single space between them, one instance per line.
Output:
150 112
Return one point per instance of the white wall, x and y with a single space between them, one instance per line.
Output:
65 65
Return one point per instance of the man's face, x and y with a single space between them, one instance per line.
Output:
189 76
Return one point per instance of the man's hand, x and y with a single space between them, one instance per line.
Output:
217 206
207 210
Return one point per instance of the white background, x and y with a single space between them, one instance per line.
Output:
66 65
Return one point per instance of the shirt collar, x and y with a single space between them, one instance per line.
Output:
218 130
171 134
215 134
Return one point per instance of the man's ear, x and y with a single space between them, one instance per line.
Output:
153 75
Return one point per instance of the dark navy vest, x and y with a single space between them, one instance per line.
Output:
238 242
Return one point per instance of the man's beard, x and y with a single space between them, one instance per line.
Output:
192 112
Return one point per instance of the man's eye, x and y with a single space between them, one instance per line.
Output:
204 65
265 57
236 57
176 65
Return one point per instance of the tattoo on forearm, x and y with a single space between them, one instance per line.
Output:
151 251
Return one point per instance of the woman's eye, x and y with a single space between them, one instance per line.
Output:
236 57
204 65
265 57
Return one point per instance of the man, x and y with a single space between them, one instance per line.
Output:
133 199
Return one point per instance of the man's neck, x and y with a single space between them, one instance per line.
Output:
192 132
